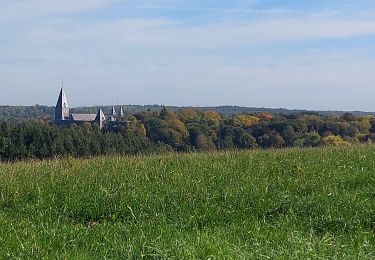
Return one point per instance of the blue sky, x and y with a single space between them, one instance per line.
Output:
293 54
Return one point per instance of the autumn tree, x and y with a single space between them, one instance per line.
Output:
243 120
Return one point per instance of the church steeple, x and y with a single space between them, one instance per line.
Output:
114 113
121 112
100 118
62 108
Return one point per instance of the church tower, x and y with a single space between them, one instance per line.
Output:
121 112
113 115
100 118
62 108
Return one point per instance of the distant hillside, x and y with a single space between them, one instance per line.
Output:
45 112
17 113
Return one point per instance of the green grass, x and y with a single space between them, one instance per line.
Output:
285 204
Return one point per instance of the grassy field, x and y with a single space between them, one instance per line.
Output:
299 203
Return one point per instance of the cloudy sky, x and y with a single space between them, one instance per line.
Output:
312 54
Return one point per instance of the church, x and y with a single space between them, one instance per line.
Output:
64 117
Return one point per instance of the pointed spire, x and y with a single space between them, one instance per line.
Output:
62 101
100 118
121 112
113 111
62 108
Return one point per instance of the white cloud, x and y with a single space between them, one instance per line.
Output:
111 38
26 10
216 9
171 34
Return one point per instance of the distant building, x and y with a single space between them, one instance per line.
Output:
64 117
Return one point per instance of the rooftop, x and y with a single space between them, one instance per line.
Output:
83 117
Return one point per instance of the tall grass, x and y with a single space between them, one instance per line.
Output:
297 203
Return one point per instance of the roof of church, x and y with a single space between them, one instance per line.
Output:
61 101
83 117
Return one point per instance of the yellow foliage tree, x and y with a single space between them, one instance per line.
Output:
214 116
243 120
178 125
188 114
335 140
140 130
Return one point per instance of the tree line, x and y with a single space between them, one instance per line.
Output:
21 113
181 131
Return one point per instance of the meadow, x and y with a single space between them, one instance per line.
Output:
277 204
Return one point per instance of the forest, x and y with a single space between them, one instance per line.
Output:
20 113
184 130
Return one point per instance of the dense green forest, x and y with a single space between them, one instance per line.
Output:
181 131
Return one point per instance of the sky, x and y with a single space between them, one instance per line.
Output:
310 54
